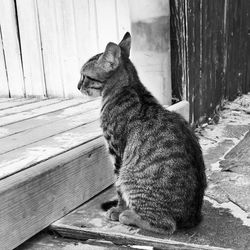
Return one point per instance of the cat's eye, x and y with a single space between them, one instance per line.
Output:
92 79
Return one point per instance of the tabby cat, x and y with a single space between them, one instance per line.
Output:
158 163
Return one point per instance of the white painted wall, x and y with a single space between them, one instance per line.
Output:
57 37
150 22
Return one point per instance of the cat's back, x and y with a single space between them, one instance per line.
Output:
154 124
162 142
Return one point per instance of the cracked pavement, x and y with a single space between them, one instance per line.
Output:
226 150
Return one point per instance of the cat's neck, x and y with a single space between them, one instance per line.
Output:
115 83
125 77
125 82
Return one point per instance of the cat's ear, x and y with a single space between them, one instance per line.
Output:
110 58
125 43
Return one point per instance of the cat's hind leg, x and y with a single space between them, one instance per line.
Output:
130 217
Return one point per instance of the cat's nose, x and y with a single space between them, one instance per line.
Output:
79 85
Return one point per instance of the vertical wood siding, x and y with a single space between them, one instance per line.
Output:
210 53
43 43
11 49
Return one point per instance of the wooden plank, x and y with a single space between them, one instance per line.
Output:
178 55
40 111
27 106
31 52
27 156
93 28
46 118
4 86
31 136
217 72
11 102
123 18
50 44
248 47
6 99
86 44
89 222
106 22
67 49
181 108
11 48
32 199
45 241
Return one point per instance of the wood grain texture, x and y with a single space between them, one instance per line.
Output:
44 241
65 34
43 119
85 22
32 60
67 46
11 48
89 222
106 23
210 44
122 17
34 198
25 157
28 105
50 44
4 86
12 102
37 112
31 136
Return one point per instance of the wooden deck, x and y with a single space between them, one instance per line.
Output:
89 222
52 159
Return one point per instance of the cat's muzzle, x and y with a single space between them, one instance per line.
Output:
81 89
79 85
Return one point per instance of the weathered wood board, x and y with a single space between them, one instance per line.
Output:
64 35
37 112
11 102
32 61
52 159
45 241
218 230
29 105
11 49
47 118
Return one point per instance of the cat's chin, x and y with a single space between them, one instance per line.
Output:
91 93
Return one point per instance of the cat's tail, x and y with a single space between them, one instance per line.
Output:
108 204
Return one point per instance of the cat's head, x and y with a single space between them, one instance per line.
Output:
98 69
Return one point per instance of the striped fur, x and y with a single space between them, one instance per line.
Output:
157 158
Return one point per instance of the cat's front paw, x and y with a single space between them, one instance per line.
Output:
113 213
128 217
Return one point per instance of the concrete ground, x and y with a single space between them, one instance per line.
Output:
226 149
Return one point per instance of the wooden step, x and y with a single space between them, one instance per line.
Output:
52 159
218 230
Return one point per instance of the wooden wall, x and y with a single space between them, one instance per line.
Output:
43 43
210 43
